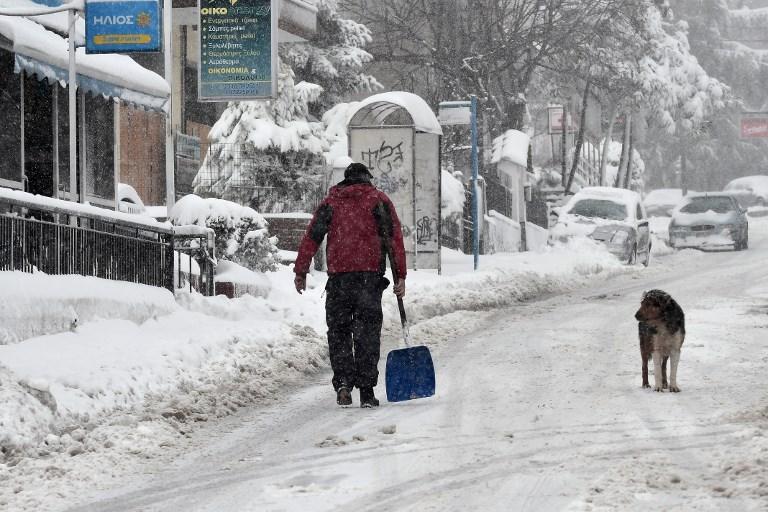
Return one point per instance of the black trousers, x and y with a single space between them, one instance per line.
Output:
353 315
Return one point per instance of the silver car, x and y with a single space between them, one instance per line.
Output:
613 216
705 221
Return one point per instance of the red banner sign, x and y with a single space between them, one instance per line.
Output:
754 127
556 121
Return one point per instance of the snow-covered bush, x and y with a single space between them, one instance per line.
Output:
241 233
256 250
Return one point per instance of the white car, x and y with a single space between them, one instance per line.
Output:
662 201
749 190
613 216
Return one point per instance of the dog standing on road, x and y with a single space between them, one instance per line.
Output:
661 330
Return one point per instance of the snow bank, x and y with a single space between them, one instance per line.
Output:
38 304
256 283
200 357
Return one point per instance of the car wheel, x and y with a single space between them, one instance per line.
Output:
647 260
632 256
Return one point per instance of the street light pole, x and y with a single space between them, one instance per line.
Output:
475 188
170 181
72 89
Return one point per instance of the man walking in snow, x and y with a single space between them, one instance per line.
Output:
361 223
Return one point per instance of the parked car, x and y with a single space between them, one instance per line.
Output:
710 220
128 200
661 202
613 216
749 190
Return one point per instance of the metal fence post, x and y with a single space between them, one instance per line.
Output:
169 265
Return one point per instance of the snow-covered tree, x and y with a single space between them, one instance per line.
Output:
333 59
270 155
449 49
715 152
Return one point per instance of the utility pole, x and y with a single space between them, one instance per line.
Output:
170 151
475 188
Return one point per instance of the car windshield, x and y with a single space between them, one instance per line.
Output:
600 208
739 186
705 204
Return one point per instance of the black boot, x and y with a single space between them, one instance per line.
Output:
343 396
367 398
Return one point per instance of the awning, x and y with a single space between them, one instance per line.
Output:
45 71
44 54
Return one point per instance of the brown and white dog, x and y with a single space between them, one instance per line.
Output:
662 331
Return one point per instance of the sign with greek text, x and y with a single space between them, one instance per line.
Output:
122 26
754 127
238 50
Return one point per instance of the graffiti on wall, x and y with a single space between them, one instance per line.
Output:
386 163
426 230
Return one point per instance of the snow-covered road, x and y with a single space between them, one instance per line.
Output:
539 407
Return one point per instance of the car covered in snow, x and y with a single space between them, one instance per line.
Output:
661 202
710 220
613 216
749 190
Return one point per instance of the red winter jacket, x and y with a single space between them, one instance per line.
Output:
355 215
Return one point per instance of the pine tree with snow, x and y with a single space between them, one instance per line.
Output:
271 155
333 59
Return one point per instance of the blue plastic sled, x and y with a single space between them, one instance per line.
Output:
410 374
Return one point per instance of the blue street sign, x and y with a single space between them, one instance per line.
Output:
122 26
238 50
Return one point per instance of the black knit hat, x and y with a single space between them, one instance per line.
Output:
357 170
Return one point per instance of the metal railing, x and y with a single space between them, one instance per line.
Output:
62 239
266 180
201 250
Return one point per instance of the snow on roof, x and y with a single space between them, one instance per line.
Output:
82 209
57 21
424 119
511 146
44 53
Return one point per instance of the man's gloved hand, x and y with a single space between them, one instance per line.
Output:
300 282
399 288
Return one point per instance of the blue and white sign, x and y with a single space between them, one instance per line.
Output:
122 26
